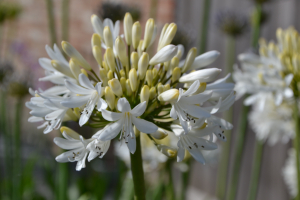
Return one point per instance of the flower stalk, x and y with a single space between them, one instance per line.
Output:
256 168
296 144
204 26
138 171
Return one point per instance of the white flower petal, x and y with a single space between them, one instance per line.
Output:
192 89
74 102
204 59
111 116
111 131
85 82
77 89
163 55
173 113
143 125
196 153
66 144
123 105
139 109
180 154
204 75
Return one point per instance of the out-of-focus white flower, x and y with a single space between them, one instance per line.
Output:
289 173
273 123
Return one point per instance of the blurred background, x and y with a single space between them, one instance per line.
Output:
26 26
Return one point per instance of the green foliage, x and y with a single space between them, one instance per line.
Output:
9 11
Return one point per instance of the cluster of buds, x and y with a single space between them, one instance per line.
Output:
132 93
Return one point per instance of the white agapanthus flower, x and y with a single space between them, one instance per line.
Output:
184 104
152 86
76 145
124 123
194 142
90 97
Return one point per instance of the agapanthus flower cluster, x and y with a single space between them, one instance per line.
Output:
132 93
271 80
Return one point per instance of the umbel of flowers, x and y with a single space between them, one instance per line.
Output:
132 93
272 81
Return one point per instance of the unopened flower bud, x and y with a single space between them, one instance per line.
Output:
145 94
116 87
122 73
167 87
96 40
168 151
143 65
176 74
108 37
189 59
149 77
165 54
204 75
134 59
159 134
103 75
201 88
110 59
73 53
180 51
152 94
110 97
174 63
123 83
168 36
170 95
136 34
154 72
149 30
133 79
84 72
167 65
59 66
128 28
204 60
77 112
75 69
163 31
97 25
70 132
160 88
97 53
140 50
128 88
121 51
110 75
70 114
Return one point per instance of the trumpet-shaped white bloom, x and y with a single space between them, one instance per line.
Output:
77 146
124 121
165 54
194 142
185 106
90 97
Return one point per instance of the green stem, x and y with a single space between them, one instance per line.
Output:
254 183
296 144
185 180
233 185
62 181
17 153
170 186
256 26
204 26
65 20
224 162
138 171
51 21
